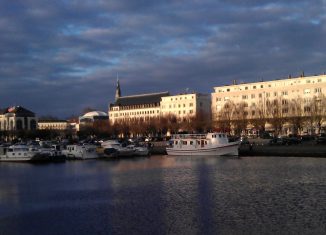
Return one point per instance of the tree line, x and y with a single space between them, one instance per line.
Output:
298 114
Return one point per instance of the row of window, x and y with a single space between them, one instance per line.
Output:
180 98
177 105
267 94
135 113
270 85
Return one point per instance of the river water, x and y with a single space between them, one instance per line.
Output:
165 195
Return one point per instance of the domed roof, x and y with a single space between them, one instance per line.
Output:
95 114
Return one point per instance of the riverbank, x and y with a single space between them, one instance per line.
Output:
262 148
299 150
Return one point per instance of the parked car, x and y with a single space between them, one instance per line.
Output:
278 141
321 139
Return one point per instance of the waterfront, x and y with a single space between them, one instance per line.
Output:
165 195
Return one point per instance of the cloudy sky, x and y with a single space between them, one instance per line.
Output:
58 57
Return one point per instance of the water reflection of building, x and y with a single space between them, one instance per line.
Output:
17 118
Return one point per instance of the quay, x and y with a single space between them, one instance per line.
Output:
257 147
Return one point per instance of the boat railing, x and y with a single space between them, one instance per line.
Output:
189 136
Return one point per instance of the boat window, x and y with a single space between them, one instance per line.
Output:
184 142
198 142
13 153
191 143
176 142
223 135
205 142
220 135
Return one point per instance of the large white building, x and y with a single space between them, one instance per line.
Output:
282 98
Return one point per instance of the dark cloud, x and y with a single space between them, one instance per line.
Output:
57 57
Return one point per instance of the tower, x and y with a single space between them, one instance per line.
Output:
117 90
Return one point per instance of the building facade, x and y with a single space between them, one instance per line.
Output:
279 99
136 107
53 125
17 118
185 106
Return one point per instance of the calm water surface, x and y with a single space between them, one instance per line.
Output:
165 195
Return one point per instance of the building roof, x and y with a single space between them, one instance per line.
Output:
140 99
95 114
18 111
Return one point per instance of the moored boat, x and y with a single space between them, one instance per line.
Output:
82 152
122 151
210 144
21 153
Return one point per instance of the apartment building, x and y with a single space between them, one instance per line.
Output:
284 97
185 106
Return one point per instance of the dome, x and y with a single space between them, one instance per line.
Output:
95 114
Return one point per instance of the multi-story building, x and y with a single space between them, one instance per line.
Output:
53 125
17 118
185 106
135 107
279 98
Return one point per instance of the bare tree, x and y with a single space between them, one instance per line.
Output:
296 115
276 112
257 114
224 121
240 117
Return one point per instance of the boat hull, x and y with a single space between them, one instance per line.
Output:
228 149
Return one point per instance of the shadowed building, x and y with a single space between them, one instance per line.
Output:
17 118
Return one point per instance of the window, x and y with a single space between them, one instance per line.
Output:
191 104
306 91
267 94
275 93
191 111
260 95
317 90
246 88
252 96
218 99
306 109
284 93
254 87
184 105
261 86
307 81
244 97
284 102
228 90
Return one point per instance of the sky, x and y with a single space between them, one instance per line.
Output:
59 57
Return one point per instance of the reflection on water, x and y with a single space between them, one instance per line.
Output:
165 195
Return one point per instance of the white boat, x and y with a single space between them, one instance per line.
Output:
211 144
20 153
82 152
122 151
139 150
